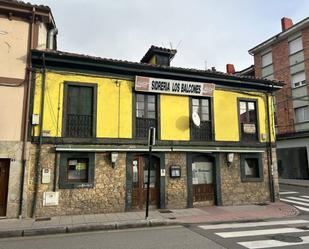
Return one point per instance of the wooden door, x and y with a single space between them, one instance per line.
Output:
140 174
202 181
4 180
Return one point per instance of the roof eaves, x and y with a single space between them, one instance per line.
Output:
206 73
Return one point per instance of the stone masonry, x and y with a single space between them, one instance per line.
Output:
236 192
107 195
176 188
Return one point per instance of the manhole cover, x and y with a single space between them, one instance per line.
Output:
287 238
165 211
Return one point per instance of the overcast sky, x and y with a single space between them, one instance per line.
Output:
205 33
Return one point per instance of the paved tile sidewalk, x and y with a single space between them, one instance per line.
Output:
79 223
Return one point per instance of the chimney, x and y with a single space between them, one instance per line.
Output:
286 23
230 69
159 56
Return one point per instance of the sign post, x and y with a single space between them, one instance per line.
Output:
151 142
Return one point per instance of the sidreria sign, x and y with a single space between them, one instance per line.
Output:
146 84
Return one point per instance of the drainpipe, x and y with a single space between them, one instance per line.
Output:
270 155
37 169
51 36
25 115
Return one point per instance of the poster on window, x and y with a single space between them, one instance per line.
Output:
202 173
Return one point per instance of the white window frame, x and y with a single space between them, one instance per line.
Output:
294 47
304 114
268 55
297 82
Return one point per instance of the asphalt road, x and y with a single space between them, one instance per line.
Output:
175 237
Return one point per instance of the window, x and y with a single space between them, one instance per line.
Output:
301 114
79 117
248 120
76 170
298 79
146 114
201 106
267 59
251 167
295 45
267 66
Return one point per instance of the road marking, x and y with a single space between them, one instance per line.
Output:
298 198
295 202
253 224
288 193
260 232
305 196
302 208
258 244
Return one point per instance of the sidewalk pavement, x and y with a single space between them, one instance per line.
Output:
294 182
95 222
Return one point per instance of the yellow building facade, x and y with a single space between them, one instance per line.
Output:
90 122
115 108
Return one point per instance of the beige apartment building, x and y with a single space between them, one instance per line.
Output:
23 26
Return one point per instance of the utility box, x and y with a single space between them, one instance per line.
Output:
51 198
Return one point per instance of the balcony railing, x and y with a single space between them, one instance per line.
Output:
202 133
143 125
79 125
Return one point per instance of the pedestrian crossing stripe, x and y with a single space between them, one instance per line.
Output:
288 193
302 208
253 224
297 198
259 244
295 202
305 196
248 233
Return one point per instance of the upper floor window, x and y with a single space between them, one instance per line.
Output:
298 79
79 116
267 59
301 114
146 114
248 120
201 106
295 45
267 65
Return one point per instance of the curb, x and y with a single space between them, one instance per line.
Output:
84 228
293 184
119 225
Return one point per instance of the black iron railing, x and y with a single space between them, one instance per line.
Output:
201 133
248 137
79 125
143 125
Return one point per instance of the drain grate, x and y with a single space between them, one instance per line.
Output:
287 238
42 219
262 204
165 211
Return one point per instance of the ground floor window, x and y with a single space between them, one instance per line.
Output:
76 170
251 167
